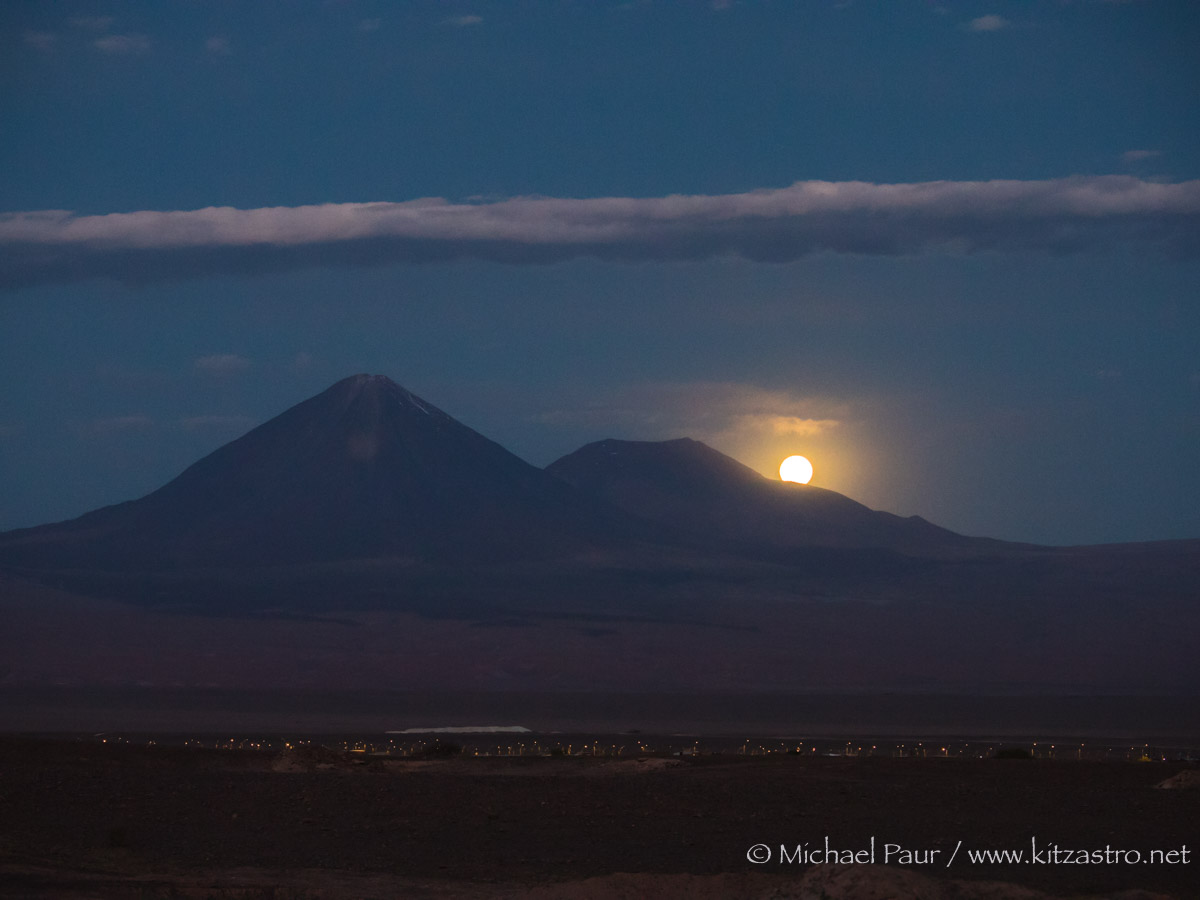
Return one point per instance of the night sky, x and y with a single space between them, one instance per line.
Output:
950 252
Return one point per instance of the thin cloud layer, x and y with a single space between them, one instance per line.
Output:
707 410
780 225
122 44
990 22
42 40
1136 156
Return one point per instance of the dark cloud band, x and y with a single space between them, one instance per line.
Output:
1057 216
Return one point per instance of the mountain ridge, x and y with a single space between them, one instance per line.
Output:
624 563
706 493
368 469
365 468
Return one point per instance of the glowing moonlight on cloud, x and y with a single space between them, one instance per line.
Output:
797 469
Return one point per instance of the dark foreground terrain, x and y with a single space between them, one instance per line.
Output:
90 819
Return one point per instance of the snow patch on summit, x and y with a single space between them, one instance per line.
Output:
412 398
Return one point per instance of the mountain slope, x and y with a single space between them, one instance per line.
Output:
626 564
694 488
365 469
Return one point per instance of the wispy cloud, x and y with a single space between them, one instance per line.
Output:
463 21
221 364
1057 216
218 45
797 426
990 22
368 25
705 410
42 40
122 44
1137 156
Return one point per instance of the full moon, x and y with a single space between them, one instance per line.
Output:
797 469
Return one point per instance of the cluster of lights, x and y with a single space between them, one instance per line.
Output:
639 747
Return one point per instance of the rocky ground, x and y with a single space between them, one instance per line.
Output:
86 819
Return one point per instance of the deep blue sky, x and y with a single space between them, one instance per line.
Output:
1036 387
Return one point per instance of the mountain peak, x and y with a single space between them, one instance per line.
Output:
375 395
365 469
366 383
683 462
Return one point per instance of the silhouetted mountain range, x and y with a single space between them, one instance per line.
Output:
662 563
690 487
367 470
364 470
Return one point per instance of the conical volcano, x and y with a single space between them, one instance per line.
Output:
364 470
